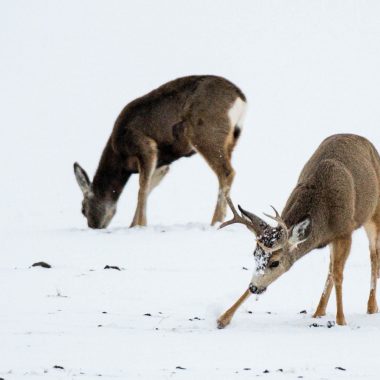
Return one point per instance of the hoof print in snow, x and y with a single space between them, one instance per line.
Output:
147 315
58 367
303 312
315 325
340 368
246 369
104 312
112 267
100 325
179 367
250 312
42 264
280 370
244 268
266 371
330 324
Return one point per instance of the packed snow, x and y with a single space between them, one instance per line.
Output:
308 69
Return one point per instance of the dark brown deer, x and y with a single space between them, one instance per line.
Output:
337 192
192 114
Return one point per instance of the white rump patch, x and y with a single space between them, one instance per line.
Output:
237 112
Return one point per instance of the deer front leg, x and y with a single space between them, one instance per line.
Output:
157 177
147 164
226 317
321 309
341 250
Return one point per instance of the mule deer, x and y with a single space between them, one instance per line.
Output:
337 192
192 114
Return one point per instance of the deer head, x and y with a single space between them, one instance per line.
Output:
273 253
97 210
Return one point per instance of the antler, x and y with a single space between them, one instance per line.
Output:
237 218
253 222
279 244
279 220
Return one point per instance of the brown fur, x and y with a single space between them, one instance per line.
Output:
175 120
337 192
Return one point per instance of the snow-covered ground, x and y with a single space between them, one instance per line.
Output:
309 69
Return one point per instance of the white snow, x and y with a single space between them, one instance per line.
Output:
308 69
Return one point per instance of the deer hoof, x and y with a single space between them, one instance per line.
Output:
223 322
341 321
373 309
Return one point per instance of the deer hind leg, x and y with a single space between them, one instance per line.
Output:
341 250
218 155
373 236
147 161
225 173
321 309
226 317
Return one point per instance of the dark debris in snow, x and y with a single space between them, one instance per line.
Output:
42 264
112 267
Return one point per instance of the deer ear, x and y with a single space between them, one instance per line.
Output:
82 178
300 232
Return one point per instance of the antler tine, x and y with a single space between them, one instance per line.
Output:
236 219
279 220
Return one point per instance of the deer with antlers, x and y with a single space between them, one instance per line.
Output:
337 192
192 114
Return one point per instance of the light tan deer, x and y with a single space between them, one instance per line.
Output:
192 114
337 192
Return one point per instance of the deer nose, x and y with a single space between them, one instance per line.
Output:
255 290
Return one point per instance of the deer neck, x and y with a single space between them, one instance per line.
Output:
111 175
304 202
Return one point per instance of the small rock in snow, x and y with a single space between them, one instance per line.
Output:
330 324
42 264
341 368
179 367
303 312
266 371
112 267
315 325
58 367
247 369
147 315
244 268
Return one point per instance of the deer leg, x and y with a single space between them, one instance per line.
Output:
341 250
372 234
226 317
225 178
321 309
157 177
147 164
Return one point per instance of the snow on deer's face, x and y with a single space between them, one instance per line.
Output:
273 253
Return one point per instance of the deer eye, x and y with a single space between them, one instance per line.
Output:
274 264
